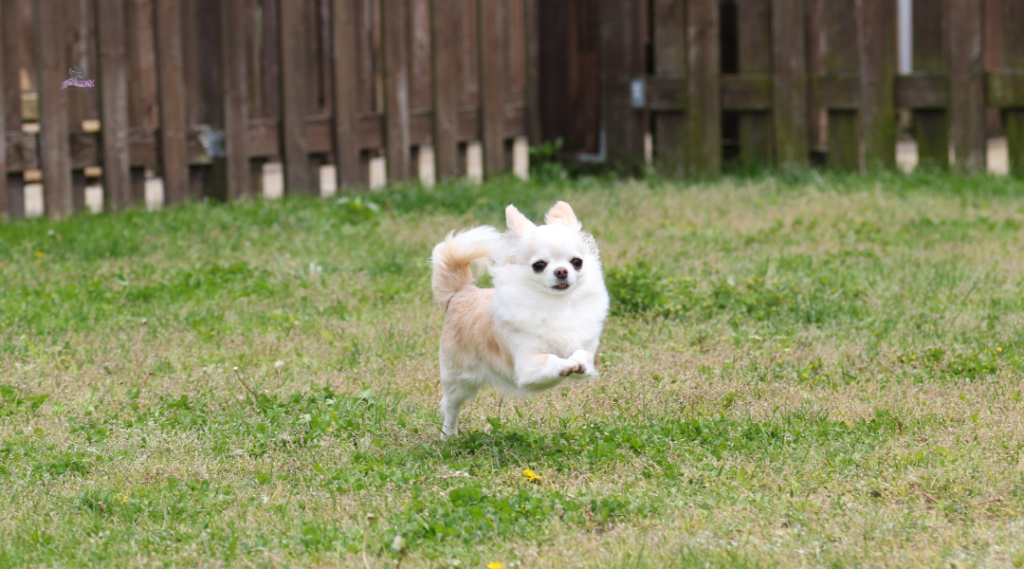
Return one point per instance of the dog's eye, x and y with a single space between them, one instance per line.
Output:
577 263
539 266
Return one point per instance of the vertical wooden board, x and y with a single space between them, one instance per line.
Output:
668 29
142 81
931 126
235 89
345 19
420 96
789 86
294 101
254 57
967 74
326 58
80 40
493 35
841 59
755 56
113 89
1012 16
469 76
54 140
531 30
705 103
396 88
370 57
877 116
4 200
171 79
271 59
817 116
12 50
445 31
515 52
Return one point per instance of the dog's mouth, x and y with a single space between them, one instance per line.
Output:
561 286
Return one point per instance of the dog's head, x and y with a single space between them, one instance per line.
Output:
557 256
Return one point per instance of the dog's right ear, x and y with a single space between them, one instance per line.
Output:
517 222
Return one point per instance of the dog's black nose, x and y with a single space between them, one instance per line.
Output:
561 273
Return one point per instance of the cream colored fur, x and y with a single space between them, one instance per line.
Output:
539 325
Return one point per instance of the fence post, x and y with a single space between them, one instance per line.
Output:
704 108
447 41
10 37
4 200
841 63
931 126
113 87
755 21
234 21
531 16
790 82
967 76
54 139
621 59
877 116
345 17
395 14
1013 61
493 34
171 81
294 87
668 28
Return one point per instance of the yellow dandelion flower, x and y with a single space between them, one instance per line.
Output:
531 476
40 254
999 349
494 565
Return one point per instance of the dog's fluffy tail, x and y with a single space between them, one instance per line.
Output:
452 257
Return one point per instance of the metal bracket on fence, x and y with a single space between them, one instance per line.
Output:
602 152
638 93
212 140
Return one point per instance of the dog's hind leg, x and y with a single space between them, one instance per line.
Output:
454 394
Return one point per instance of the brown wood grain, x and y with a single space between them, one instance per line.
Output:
4 199
54 144
755 56
841 61
142 79
1013 62
493 35
531 45
396 65
270 59
294 87
345 14
173 121
790 84
877 115
113 89
931 116
967 73
668 30
705 104
235 92
446 55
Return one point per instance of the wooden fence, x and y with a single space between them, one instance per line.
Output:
203 92
752 78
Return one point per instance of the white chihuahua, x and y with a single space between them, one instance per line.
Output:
540 324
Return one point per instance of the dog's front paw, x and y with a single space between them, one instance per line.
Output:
584 364
571 367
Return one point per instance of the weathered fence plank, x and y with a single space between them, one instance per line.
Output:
294 86
10 51
877 116
396 88
1013 61
531 32
171 76
967 74
54 140
668 27
621 51
755 56
789 64
235 92
703 80
113 88
841 63
931 125
345 17
493 32
446 32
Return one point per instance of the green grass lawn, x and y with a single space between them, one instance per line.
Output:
805 370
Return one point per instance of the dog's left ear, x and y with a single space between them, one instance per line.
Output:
562 213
